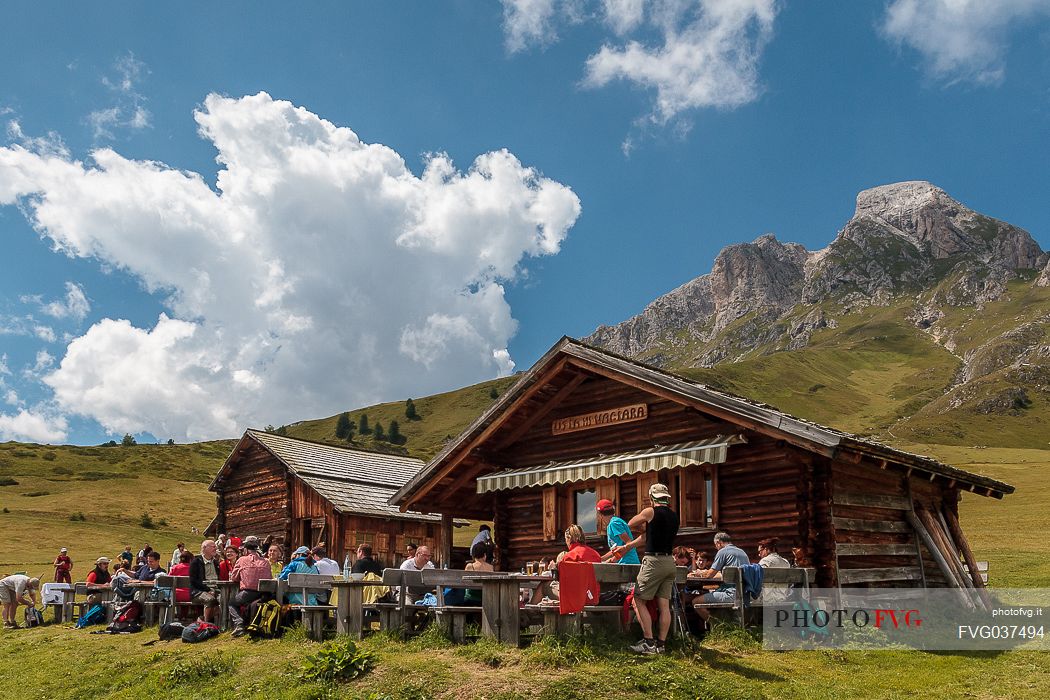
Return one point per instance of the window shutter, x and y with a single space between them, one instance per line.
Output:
642 484
550 514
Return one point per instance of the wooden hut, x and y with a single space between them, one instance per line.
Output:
304 493
584 424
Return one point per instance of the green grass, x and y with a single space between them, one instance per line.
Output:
63 663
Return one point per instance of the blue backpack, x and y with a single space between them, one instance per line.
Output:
95 615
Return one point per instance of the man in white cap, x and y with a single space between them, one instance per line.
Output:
13 592
657 575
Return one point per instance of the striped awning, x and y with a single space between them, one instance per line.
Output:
710 451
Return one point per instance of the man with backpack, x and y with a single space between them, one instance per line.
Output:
248 571
13 592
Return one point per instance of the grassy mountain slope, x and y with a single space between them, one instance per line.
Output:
111 487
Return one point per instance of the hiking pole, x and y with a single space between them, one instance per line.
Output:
678 613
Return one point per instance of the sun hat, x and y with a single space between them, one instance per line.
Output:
63 550
102 560
301 550
659 492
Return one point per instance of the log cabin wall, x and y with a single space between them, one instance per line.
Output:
254 499
763 490
870 506
932 496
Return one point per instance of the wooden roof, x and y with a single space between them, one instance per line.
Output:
353 481
561 369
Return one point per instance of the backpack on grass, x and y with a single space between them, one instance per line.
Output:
95 615
267 620
171 630
126 619
198 632
34 617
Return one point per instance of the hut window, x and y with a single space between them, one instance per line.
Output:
585 502
698 493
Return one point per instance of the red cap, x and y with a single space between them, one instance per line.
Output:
604 504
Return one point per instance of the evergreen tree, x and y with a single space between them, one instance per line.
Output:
493 394
127 440
410 410
171 441
395 435
362 425
377 431
343 426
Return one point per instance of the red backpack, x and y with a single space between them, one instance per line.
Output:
198 632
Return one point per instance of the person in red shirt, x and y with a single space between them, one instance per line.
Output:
182 595
226 565
578 548
63 565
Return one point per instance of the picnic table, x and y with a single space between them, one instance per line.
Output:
501 603
225 590
350 606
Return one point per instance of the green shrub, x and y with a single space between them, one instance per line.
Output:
49 456
34 494
8 481
337 660
6 510
77 517
62 470
146 522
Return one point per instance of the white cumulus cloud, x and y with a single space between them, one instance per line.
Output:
691 53
129 110
321 273
33 426
960 40
75 305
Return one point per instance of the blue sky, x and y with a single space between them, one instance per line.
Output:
357 251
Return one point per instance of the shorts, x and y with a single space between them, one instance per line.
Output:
656 577
720 597
204 598
7 595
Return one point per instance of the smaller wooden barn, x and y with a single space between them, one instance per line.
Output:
584 424
303 493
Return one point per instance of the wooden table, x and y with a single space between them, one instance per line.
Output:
141 590
501 603
225 590
350 606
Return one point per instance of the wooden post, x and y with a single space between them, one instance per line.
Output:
445 545
937 556
960 540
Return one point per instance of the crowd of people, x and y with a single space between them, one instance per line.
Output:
250 560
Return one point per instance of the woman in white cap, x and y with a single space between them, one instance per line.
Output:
63 565
13 592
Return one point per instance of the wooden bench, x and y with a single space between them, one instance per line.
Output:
776 576
314 616
75 608
395 615
451 618
982 569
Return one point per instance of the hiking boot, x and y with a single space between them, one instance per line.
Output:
646 646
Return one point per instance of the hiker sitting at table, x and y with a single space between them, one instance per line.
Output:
684 556
274 555
617 532
248 571
417 563
99 577
364 563
176 554
143 554
151 569
119 583
769 558
230 556
127 557
301 563
410 550
479 554
63 565
182 595
324 563
727 554
204 568
15 590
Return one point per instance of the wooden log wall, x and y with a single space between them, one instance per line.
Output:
874 543
255 496
762 493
